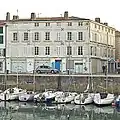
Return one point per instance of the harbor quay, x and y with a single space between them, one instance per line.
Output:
76 83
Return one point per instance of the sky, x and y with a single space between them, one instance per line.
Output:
107 10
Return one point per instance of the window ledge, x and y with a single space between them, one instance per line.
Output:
14 41
47 41
25 41
69 40
36 41
80 40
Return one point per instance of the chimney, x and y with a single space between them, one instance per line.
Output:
66 14
97 20
106 23
15 17
33 16
7 16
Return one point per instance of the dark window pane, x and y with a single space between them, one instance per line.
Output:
1 29
1 39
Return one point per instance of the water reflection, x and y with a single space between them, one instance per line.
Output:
32 111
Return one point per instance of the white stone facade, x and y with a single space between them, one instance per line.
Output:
31 43
2 46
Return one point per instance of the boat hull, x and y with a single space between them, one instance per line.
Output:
105 101
81 100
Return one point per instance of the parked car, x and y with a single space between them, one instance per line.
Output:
46 69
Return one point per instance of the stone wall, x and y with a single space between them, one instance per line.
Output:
78 84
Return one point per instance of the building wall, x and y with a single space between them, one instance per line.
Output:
2 47
117 45
21 50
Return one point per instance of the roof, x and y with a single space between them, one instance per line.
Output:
2 22
52 19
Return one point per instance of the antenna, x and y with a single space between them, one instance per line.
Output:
17 12
39 14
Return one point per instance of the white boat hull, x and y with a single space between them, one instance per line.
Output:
81 100
8 97
105 101
62 99
26 97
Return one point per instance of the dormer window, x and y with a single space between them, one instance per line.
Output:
69 23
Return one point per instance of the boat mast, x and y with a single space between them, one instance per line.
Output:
69 62
106 74
34 87
17 51
90 82
5 71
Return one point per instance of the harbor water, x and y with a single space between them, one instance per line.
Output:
37 111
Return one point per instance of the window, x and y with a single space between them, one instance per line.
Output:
48 24
80 35
95 36
80 50
102 27
95 51
99 27
112 53
47 50
58 50
58 23
36 24
106 29
1 66
36 50
112 31
36 36
25 36
95 26
69 50
91 50
69 23
1 39
69 35
58 36
1 29
108 52
15 37
47 36
80 23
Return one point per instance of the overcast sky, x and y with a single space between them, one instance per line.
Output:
107 10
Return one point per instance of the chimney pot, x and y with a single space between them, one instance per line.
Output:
97 19
66 14
7 16
33 16
106 23
15 17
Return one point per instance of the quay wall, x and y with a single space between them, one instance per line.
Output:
65 83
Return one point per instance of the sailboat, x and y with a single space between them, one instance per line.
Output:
84 98
65 98
11 94
105 98
28 95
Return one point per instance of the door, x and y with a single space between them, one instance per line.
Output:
78 67
57 64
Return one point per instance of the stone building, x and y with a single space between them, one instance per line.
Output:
66 43
117 50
